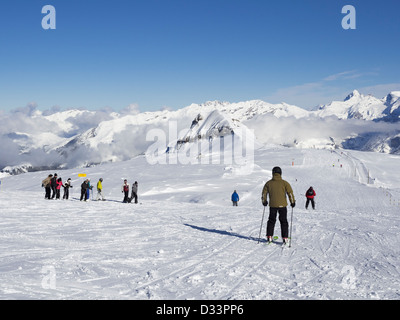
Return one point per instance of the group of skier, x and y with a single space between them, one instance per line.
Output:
53 184
125 191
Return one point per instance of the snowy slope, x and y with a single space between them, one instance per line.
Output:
185 240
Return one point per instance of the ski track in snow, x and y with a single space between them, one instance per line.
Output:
186 241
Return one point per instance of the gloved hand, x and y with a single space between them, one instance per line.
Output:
265 203
293 204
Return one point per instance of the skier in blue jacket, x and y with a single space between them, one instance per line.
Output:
235 198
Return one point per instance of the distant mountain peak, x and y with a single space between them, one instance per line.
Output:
393 96
355 94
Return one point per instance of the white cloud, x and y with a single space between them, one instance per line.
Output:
20 127
344 74
271 130
132 109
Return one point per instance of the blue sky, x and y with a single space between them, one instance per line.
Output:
171 53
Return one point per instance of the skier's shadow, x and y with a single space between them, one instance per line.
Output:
225 233
109 200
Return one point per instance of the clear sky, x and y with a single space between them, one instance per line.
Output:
171 53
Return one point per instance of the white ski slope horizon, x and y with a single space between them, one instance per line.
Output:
184 240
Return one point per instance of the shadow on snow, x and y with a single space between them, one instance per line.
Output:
225 233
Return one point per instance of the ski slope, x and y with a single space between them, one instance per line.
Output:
184 240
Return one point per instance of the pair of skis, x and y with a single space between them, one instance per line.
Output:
283 244
276 237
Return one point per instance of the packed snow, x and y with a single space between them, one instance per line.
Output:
185 240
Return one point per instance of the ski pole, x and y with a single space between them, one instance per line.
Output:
262 221
291 223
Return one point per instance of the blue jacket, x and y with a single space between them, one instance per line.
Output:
235 197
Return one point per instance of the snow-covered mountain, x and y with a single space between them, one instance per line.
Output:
124 137
392 101
74 138
358 106
379 142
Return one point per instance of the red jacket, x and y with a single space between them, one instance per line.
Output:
59 184
310 196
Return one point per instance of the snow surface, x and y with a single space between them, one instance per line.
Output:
184 240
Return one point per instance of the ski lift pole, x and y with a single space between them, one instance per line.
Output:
262 221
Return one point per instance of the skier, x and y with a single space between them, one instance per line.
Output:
54 186
84 188
46 183
235 198
125 191
100 190
66 186
134 193
88 189
277 189
59 184
310 194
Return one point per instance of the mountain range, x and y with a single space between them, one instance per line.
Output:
36 140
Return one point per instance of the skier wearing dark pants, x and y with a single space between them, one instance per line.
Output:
277 189
125 191
235 198
58 187
134 194
310 194
66 186
84 188
46 183
282 219
54 186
